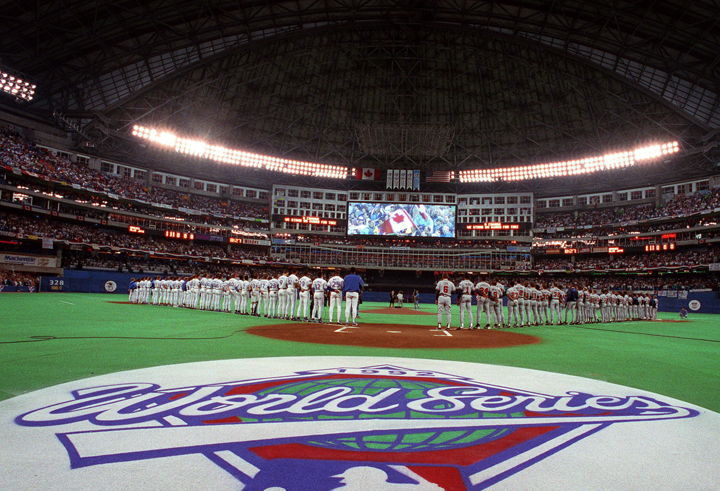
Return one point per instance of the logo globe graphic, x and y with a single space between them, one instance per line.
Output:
412 441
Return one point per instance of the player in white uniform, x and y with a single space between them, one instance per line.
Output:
282 295
305 284
194 292
335 286
235 292
228 286
292 285
444 288
264 296
255 297
319 285
273 289
244 295
466 288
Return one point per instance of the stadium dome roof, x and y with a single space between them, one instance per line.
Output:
416 84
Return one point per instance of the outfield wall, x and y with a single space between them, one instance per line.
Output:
94 281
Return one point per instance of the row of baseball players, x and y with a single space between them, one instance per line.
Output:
530 303
284 296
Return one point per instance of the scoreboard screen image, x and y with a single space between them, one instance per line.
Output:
404 220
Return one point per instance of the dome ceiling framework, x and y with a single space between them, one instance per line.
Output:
505 83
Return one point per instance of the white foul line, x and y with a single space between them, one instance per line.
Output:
342 329
69 303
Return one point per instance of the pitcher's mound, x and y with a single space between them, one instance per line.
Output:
392 336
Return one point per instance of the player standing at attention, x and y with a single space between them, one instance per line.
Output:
570 303
282 295
305 283
264 297
319 285
244 294
520 289
273 288
444 288
556 295
226 295
513 308
255 297
416 300
495 306
482 290
335 285
653 308
292 285
352 286
466 288
132 291
545 303
400 298
236 286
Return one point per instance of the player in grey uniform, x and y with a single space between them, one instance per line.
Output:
556 296
482 291
466 288
444 288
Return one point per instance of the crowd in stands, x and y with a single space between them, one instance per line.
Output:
676 282
634 262
20 153
399 242
59 230
103 208
12 278
679 205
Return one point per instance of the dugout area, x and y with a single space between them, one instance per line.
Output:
48 339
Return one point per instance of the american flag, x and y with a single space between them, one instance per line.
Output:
440 176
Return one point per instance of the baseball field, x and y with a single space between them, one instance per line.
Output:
48 339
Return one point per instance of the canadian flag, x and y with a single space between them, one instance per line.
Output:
398 223
367 173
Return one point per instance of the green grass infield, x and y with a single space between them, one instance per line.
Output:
48 339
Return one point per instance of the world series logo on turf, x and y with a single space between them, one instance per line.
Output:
330 429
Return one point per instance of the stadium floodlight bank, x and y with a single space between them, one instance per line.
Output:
588 165
17 87
217 153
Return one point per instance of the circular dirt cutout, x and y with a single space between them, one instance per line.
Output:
392 336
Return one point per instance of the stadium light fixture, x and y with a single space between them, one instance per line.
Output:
217 153
17 87
589 165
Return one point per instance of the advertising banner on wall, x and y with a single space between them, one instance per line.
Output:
28 260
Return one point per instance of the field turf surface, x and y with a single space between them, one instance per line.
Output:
48 339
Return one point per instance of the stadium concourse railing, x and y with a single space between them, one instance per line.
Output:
402 258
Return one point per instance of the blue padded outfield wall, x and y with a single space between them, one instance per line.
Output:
93 281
